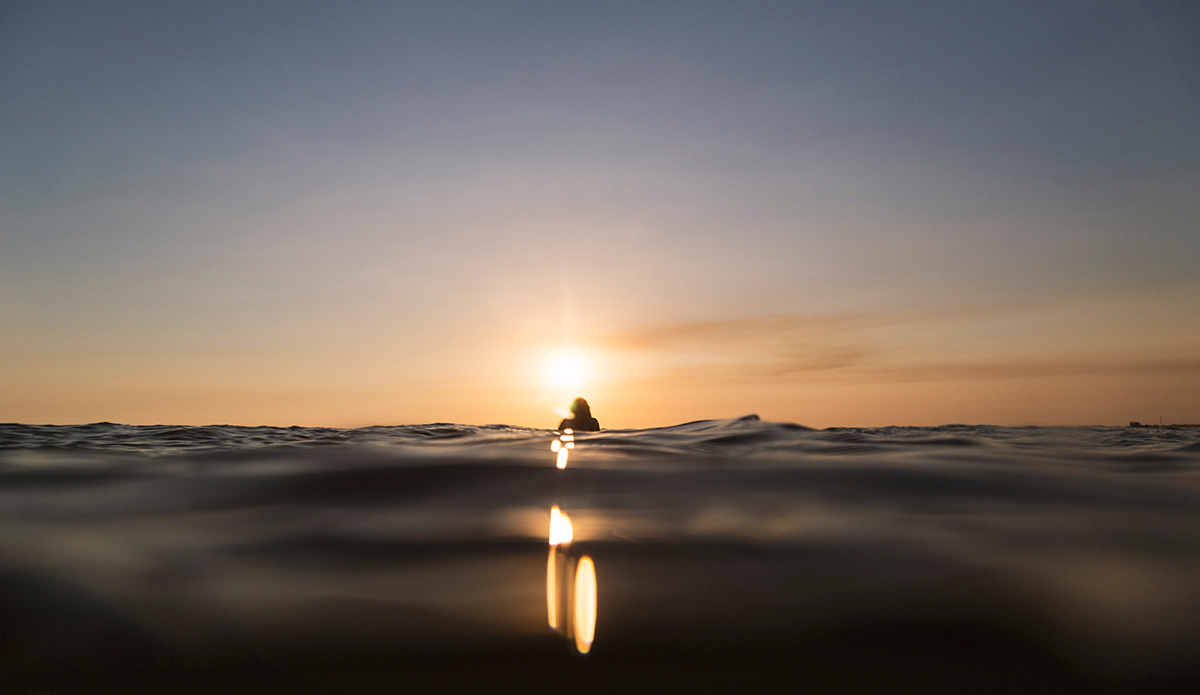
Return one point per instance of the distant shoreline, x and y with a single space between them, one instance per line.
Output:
1135 423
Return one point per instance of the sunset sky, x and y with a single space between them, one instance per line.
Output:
831 213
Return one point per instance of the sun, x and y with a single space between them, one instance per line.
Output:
567 370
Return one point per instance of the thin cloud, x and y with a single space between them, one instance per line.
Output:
874 348
1033 368
784 328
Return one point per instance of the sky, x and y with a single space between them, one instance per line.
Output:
830 213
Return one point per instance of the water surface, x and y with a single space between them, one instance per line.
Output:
726 553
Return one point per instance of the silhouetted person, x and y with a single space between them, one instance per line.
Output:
581 419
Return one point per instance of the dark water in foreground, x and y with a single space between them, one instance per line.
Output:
728 555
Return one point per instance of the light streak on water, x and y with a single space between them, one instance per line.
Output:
561 531
584 613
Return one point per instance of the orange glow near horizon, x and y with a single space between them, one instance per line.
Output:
567 372
1103 361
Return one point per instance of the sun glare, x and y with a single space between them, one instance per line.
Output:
567 371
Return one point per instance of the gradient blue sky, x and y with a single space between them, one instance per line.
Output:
831 213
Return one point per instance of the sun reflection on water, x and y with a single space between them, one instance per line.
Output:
552 588
561 530
562 445
584 613
570 586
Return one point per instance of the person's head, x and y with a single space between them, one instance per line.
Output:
580 408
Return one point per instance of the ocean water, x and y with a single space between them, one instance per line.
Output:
715 556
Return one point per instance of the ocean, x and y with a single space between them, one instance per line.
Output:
712 556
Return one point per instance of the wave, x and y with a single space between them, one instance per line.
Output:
735 436
732 546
